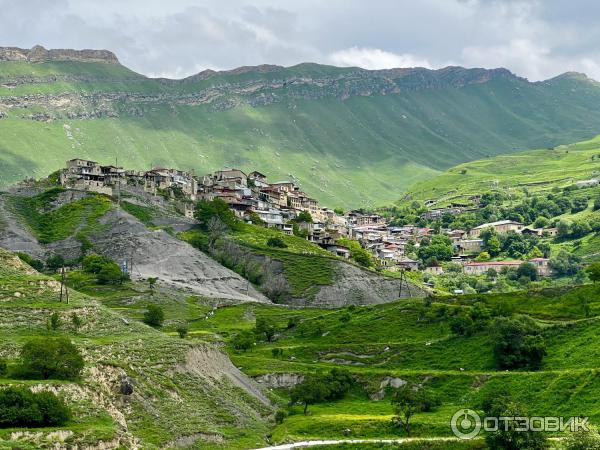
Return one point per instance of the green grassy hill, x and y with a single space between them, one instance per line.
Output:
350 136
176 401
533 171
411 340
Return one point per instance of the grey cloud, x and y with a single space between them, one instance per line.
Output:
534 38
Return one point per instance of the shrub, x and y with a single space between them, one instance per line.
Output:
57 358
54 322
242 341
154 316
94 263
280 416
35 263
265 328
182 330
3 367
408 400
111 274
19 407
276 242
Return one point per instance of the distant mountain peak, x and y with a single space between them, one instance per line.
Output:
40 54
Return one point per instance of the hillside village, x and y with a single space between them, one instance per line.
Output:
277 204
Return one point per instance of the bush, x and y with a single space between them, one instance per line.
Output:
276 242
3 367
94 263
19 407
154 316
182 330
111 274
35 263
56 358
280 416
242 341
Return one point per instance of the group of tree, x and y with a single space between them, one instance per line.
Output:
318 388
514 245
106 270
435 249
20 407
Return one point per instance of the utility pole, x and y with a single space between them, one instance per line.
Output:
63 286
402 281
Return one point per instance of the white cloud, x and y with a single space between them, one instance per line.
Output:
375 58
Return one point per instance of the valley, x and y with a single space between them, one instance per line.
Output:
282 257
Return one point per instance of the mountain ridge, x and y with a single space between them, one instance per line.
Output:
354 137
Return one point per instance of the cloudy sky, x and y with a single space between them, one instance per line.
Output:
175 38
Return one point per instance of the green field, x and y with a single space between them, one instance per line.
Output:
531 171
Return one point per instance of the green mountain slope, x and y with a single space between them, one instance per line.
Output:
535 170
351 136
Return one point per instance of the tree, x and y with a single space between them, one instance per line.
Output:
493 246
509 436
154 316
517 343
151 283
34 263
217 208
55 262
57 358
242 341
583 440
182 330
303 217
110 274
565 264
563 228
76 321
541 222
94 263
483 256
527 270
408 400
312 390
265 328
54 321
439 247
593 272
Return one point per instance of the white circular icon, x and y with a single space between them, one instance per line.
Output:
465 424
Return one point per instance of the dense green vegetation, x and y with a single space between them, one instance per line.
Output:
50 223
348 149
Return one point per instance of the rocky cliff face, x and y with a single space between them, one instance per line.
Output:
39 54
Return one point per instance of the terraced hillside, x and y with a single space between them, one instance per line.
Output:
412 341
140 388
533 171
352 137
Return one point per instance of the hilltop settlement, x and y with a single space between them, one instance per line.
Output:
281 204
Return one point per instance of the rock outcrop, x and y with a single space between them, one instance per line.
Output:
39 54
